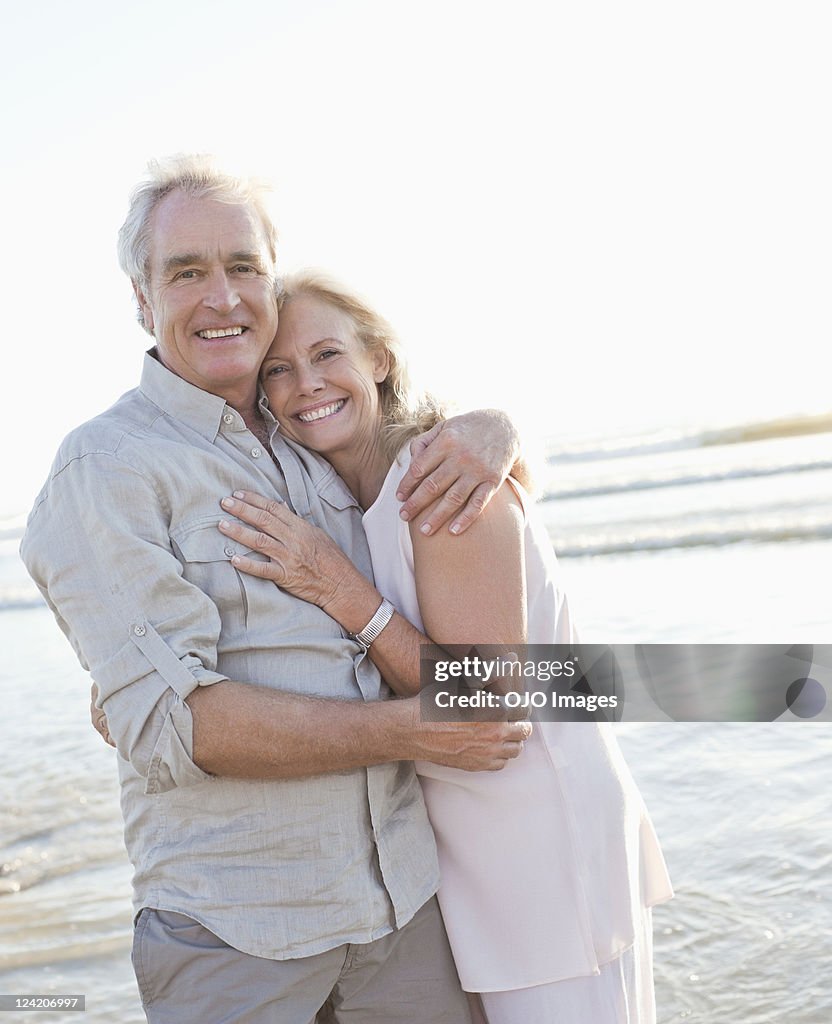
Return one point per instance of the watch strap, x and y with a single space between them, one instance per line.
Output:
383 615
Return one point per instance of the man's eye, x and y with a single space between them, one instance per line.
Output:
245 269
185 275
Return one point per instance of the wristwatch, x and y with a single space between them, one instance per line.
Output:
376 624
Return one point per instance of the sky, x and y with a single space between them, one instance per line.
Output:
600 216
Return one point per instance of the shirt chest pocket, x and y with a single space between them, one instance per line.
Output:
336 511
205 555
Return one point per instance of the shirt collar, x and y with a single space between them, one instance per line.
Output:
198 409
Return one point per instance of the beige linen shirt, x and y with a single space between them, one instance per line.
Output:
123 543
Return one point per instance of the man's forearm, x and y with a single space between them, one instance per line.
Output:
247 731
244 731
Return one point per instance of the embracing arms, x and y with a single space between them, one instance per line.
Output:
114 562
471 588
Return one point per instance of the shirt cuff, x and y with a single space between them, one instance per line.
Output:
171 763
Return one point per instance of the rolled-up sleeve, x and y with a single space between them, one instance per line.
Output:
98 546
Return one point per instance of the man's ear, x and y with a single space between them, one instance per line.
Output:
381 365
145 312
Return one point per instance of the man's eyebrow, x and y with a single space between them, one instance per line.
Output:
189 259
185 259
246 257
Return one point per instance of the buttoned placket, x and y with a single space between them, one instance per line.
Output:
234 427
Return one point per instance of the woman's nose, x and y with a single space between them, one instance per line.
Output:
310 380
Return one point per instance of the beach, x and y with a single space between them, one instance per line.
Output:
665 540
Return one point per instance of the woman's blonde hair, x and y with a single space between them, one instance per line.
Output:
405 412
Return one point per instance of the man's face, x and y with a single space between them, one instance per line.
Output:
210 300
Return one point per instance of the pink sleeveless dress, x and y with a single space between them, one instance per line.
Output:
550 867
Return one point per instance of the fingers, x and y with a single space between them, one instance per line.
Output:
273 504
104 731
518 731
264 513
450 492
480 497
423 461
460 505
269 519
257 540
99 718
265 570
272 569
464 494
456 468
495 745
512 745
440 506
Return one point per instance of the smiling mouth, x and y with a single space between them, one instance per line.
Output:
221 332
323 412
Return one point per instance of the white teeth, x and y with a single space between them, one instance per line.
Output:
225 332
319 414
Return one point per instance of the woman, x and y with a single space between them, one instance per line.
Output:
549 867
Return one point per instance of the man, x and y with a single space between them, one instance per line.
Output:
282 855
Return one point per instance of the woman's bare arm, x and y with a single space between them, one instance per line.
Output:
472 588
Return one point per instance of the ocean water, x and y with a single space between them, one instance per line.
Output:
714 536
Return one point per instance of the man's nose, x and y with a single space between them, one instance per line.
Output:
221 293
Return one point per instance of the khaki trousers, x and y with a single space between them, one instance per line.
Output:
186 974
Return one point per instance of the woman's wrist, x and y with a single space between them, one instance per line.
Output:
352 601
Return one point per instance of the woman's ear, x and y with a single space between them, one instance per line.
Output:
381 365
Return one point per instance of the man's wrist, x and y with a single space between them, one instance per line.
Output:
402 727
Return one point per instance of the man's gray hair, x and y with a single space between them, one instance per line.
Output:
197 176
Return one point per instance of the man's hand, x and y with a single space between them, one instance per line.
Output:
471 746
456 468
98 718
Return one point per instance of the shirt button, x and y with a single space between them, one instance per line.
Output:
230 551
228 418
140 630
256 453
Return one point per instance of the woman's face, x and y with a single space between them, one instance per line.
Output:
321 382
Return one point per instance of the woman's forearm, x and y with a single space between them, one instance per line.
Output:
303 560
396 651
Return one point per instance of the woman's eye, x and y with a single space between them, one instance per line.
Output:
327 352
273 371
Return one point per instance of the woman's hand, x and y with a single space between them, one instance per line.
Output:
302 559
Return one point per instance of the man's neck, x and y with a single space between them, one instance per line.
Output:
252 416
245 403
258 426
